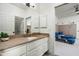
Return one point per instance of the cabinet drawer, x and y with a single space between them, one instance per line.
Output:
19 46
44 48
16 51
38 51
38 42
45 40
35 52
34 45
35 42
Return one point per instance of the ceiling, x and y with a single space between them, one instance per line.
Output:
65 9
59 9
20 5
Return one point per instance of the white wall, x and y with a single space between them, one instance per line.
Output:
68 20
7 17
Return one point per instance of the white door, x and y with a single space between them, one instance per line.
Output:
77 30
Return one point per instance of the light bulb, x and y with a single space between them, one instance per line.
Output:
32 5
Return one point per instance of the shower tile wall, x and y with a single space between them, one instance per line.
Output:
69 29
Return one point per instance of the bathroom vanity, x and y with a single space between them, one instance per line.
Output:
25 46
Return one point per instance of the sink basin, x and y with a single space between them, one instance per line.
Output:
31 38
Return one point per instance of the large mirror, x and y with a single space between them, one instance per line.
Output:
19 25
22 26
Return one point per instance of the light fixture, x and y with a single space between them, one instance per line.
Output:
28 4
33 5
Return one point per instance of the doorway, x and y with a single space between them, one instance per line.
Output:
66 21
28 25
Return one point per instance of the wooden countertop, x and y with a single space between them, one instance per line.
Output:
18 41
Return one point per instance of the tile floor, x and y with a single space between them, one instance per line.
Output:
64 49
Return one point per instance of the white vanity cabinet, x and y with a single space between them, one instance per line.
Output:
34 48
38 47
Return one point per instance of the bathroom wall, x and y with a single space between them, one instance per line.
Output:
68 29
7 17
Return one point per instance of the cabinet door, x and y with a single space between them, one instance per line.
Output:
35 24
33 48
36 52
43 24
15 51
44 30
44 45
37 48
43 21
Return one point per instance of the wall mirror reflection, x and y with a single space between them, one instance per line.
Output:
19 25
28 25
